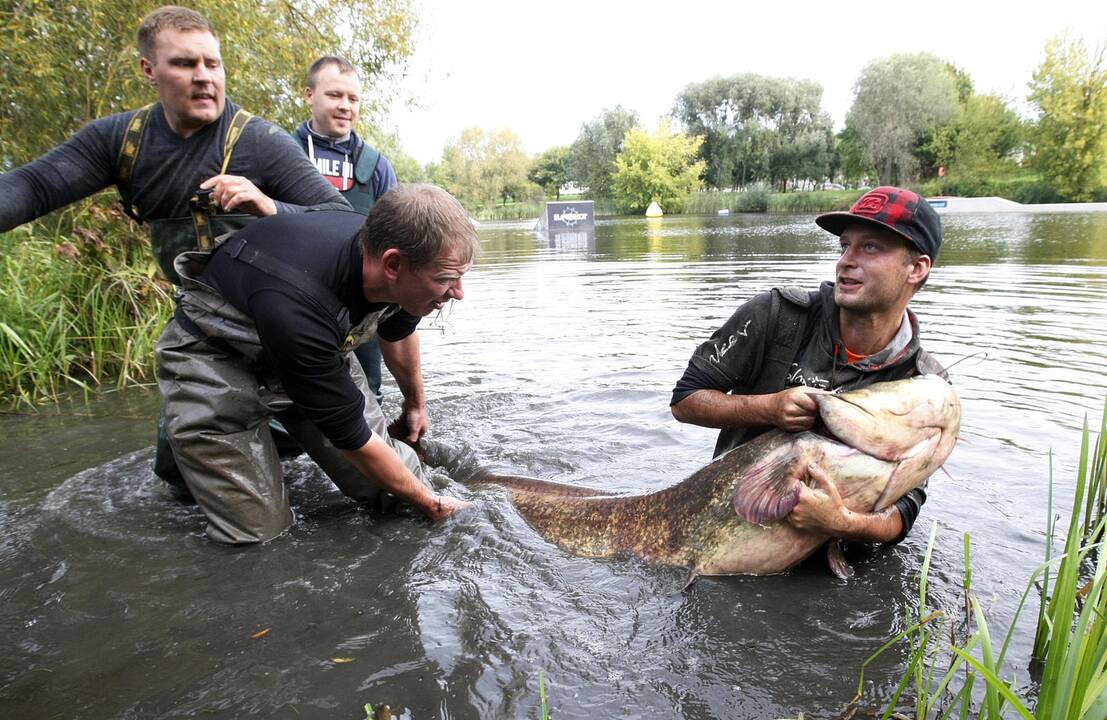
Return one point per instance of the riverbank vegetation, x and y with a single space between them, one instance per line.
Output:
916 120
81 304
957 668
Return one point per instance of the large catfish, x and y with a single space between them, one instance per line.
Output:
878 443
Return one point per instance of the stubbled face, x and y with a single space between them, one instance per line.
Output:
422 291
334 101
187 71
872 271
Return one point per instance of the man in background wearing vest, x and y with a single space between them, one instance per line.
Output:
356 170
191 167
762 368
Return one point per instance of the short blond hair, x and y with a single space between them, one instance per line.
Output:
421 221
179 18
343 65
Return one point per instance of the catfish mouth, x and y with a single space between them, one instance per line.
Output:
875 444
823 430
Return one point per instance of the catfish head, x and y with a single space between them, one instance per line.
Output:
913 423
881 441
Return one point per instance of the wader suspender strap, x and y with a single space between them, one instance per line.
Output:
364 166
205 240
128 154
240 250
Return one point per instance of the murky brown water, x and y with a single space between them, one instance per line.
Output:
559 363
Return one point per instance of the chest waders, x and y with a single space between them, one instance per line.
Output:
170 237
220 395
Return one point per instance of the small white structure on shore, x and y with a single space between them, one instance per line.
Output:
947 205
654 210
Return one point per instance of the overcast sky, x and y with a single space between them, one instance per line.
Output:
543 69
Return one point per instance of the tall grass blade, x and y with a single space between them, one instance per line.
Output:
1001 687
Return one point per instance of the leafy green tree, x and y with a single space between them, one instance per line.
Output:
593 152
898 102
981 140
551 170
850 155
757 128
661 167
1069 89
481 167
408 169
65 63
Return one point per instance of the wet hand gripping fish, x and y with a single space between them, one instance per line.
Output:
729 517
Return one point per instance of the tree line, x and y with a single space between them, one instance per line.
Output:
915 119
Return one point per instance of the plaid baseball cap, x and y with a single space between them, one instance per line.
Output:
901 211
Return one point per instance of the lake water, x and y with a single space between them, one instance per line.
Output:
558 364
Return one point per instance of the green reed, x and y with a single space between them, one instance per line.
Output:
510 211
752 200
80 306
814 201
1070 643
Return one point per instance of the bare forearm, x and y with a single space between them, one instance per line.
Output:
884 526
716 409
380 463
402 359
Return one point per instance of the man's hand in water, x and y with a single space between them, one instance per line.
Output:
443 506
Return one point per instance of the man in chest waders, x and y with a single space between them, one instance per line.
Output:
264 328
191 166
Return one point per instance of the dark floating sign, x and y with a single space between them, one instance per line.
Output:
569 216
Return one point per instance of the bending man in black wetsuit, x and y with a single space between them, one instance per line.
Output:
763 366
264 328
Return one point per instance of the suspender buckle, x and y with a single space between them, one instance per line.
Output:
201 200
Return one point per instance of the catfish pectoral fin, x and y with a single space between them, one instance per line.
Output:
836 556
691 579
769 490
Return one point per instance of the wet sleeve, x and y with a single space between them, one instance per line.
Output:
301 344
728 360
909 506
284 172
79 167
398 326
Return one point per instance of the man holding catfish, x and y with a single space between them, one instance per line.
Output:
765 365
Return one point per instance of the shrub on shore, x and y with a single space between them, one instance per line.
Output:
79 306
